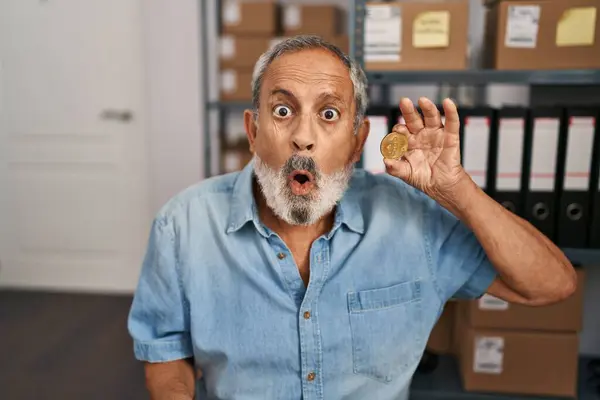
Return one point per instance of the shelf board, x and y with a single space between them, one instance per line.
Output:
231 105
487 76
583 257
444 384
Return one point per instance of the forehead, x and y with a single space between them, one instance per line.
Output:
308 72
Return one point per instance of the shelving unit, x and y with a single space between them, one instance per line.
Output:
471 77
216 110
383 79
483 77
444 382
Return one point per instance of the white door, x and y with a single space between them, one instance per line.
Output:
74 209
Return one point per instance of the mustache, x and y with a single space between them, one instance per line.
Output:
296 162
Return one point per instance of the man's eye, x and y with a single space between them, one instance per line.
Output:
282 111
330 114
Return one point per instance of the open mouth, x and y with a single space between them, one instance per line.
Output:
301 182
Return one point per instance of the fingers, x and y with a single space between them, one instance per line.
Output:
452 124
431 114
414 122
398 168
401 128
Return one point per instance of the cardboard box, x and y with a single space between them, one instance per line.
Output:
313 19
241 51
543 34
341 41
440 339
250 17
235 84
236 156
417 35
490 312
529 363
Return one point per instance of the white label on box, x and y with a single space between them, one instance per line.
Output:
292 17
383 27
510 153
228 81
489 355
227 48
580 143
522 26
488 302
231 12
543 154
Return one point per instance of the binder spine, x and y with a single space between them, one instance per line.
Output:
509 148
381 124
539 168
594 225
574 211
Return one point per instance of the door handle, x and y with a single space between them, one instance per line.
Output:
117 115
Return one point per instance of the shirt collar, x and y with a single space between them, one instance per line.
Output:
244 209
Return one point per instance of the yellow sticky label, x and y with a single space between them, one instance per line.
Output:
431 29
577 27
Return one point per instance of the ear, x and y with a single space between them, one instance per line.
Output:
250 124
361 138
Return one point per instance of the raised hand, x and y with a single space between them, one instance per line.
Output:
432 162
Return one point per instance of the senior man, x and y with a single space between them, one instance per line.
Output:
302 278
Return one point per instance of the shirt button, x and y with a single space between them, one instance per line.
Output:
311 376
281 256
306 314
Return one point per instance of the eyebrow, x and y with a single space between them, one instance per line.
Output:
331 97
284 92
327 96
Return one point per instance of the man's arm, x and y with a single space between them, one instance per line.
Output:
531 269
159 320
172 380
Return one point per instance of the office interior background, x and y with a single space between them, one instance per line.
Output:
108 108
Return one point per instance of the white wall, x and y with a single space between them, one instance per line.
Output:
173 68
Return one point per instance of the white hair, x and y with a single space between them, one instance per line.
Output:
306 42
301 210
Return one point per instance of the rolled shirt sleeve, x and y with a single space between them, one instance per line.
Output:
159 316
459 264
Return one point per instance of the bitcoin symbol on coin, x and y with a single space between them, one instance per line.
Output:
394 145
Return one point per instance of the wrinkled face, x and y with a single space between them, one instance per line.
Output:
304 139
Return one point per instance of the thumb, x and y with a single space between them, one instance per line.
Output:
398 168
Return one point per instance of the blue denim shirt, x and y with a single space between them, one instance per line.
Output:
219 286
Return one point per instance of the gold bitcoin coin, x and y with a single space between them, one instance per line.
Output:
394 145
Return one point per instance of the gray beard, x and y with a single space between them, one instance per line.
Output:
295 209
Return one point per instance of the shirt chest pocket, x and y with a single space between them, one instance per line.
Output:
387 333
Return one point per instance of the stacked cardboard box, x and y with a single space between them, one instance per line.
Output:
519 35
509 348
249 28
323 20
235 156
543 34
417 35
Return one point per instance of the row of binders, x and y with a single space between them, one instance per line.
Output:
543 164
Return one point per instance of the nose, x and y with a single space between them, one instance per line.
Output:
301 144
302 138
